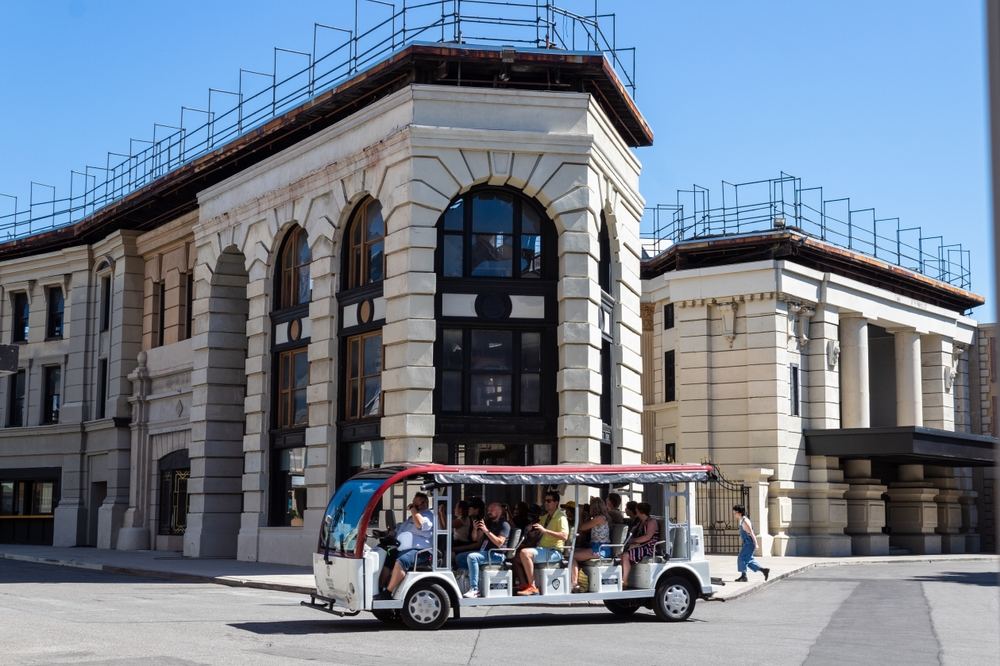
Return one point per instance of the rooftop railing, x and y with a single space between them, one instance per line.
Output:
338 53
783 203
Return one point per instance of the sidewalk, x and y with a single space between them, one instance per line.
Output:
299 579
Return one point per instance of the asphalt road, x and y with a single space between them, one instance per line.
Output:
945 612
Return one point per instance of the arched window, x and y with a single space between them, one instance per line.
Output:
496 355
606 323
290 372
362 315
604 261
295 285
365 246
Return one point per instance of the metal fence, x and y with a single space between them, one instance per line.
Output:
715 514
783 202
337 54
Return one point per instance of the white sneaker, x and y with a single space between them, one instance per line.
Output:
473 593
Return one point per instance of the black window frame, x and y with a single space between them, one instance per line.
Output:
102 388
51 394
668 316
105 303
20 317
16 386
604 258
55 313
669 376
794 390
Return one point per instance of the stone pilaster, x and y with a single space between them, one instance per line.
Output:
913 512
757 479
865 510
827 508
70 519
938 402
628 336
909 397
970 510
135 534
854 385
949 508
821 379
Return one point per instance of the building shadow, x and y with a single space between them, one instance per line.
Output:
980 578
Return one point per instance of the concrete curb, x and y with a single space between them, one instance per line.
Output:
229 581
813 565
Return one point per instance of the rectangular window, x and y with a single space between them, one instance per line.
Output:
160 310
188 282
105 302
668 316
364 376
20 313
51 388
15 403
293 381
54 319
794 407
669 453
102 388
669 379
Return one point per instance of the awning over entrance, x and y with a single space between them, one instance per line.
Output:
904 445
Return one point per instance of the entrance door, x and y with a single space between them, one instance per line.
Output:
98 491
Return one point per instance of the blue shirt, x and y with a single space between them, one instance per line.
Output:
420 535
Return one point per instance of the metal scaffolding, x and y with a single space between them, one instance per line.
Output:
783 203
338 53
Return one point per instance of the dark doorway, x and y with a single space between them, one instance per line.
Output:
98 491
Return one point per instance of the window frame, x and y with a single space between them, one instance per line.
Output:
358 341
669 376
51 393
357 258
15 398
290 270
105 322
285 394
55 319
668 316
20 327
102 389
794 390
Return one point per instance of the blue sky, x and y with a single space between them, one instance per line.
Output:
884 101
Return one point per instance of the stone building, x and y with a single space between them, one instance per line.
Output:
435 260
832 383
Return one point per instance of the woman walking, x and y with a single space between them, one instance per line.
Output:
746 560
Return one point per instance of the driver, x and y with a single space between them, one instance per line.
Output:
414 535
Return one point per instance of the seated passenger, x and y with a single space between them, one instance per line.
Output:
520 519
492 533
631 517
474 513
413 535
599 527
554 529
614 505
641 541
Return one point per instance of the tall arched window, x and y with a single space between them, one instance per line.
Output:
290 372
606 322
362 313
496 355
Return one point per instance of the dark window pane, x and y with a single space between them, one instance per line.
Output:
353 398
373 396
374 224
301 369
531 223
491 255
453 216
452 255
531 352
490 393
54 328
373 355
491 350
20 317
531 256
375 261
105 303
300 406
451 391
493 212
6 498
451 349
530 392
304 285
354 357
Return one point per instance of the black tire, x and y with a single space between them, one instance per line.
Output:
387 616
674 599
426 606
622 607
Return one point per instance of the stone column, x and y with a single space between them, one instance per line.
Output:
218 408
855 409
913 512
827 508
970 510
410 329
938 402
949 508
865 510
909 389
134 534
757 479
821 377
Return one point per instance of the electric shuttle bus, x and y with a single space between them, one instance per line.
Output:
357 540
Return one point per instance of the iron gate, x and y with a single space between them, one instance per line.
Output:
715 514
